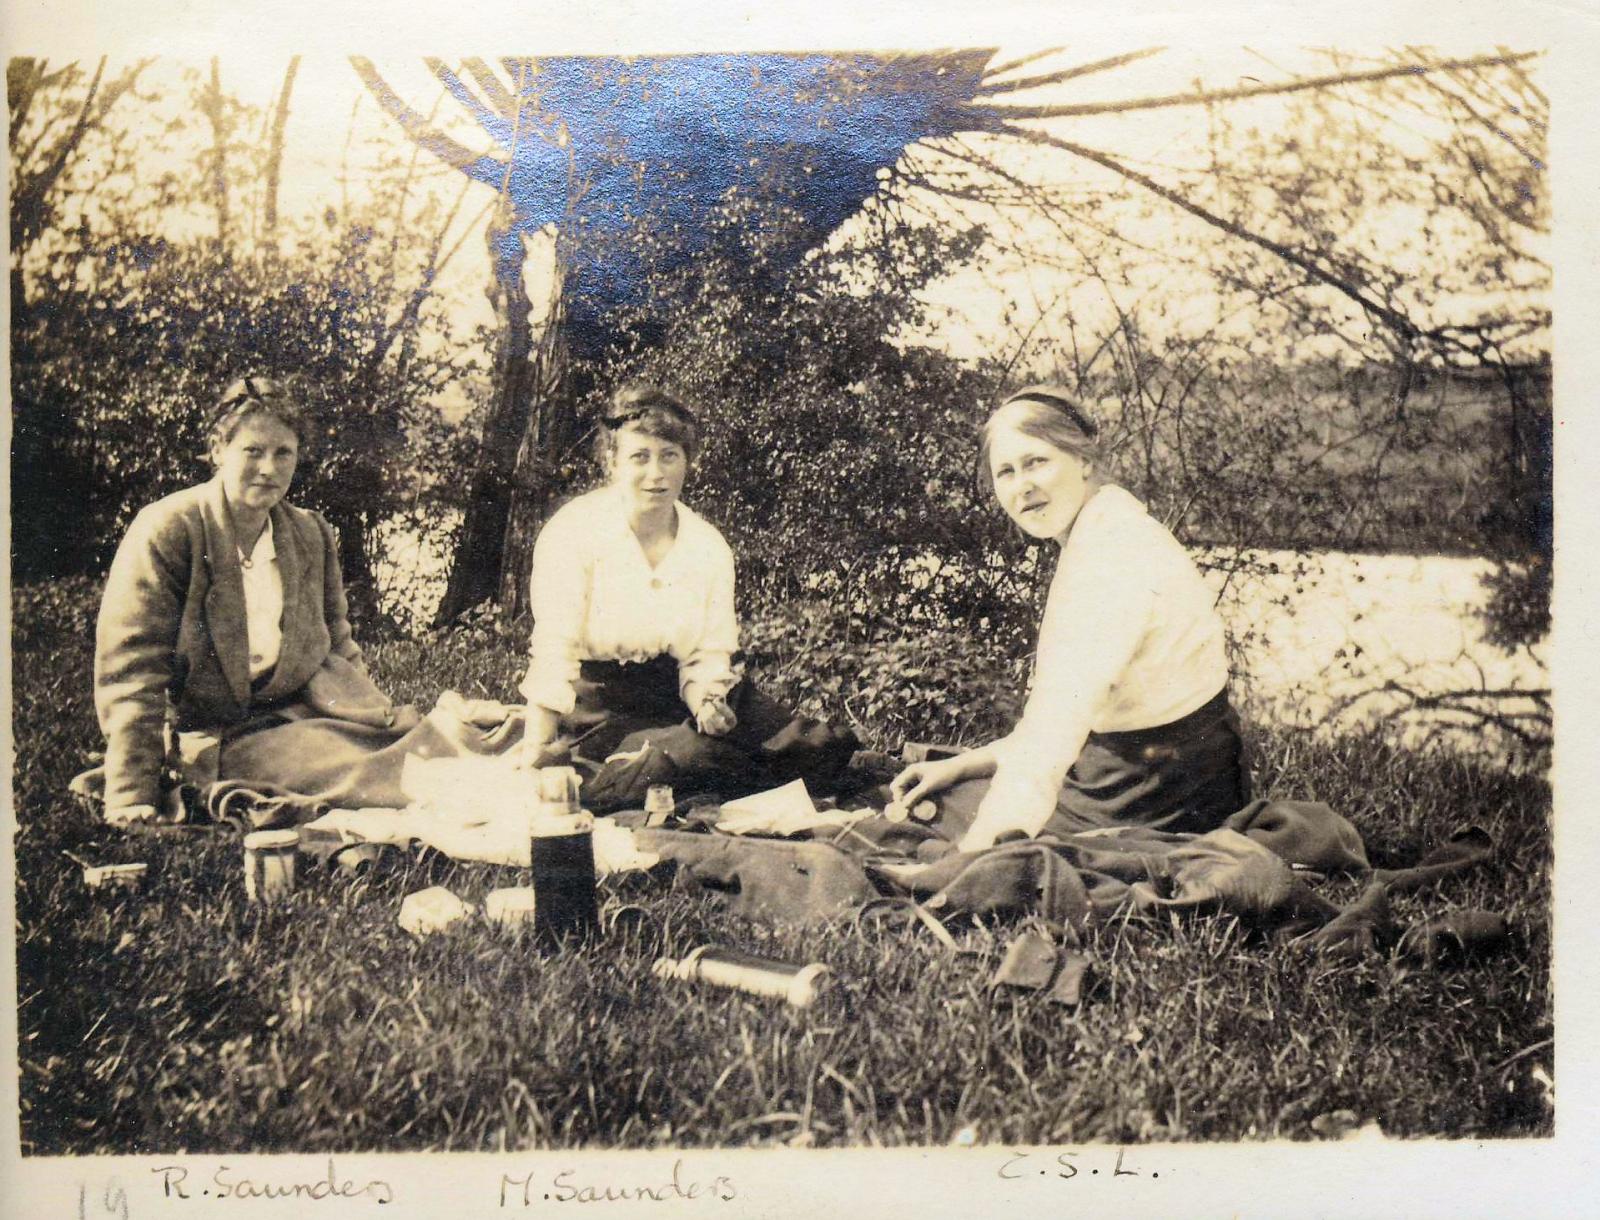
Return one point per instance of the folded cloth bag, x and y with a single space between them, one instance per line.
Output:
1307 833
1012 879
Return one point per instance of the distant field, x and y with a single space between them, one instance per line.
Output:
1320 459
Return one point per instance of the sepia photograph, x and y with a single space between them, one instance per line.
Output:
700 599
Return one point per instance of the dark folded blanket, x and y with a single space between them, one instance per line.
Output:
1253 868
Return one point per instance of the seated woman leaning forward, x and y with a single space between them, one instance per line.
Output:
1127 721
635 639
223 649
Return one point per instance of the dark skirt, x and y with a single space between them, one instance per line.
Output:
632 727
1189 776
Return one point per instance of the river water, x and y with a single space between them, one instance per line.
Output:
1331 641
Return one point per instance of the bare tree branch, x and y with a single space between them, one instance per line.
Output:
1012 65
1398 321
1527 82
499 97
991 86
481 168
1488 124
24 77
500 129
1206 97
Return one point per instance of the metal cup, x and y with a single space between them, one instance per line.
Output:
269 865
658 804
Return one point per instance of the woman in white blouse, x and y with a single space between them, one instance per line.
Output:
634 626
1127 720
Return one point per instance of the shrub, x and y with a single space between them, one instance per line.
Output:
925 684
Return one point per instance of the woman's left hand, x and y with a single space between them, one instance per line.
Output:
715 718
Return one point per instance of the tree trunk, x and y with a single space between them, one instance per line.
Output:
476 567
360 587
546 448
214 105
529 508
280 119
1530 459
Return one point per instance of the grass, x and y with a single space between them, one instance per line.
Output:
185 1020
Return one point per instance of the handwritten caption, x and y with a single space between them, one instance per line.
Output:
532 1189
567 1186
225 1182
1065 1166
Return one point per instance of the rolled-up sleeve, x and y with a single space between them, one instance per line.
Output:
136 640
706 671
558 592
1095 617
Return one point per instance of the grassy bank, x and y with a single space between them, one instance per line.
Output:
184 1019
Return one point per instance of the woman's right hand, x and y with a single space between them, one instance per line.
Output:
534 753
541 745
922 779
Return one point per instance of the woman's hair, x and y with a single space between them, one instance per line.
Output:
1046 413
250 396
650 409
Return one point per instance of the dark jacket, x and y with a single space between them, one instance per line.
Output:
172 640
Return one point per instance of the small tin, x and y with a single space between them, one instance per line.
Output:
115 876
269 864
658 804
797 985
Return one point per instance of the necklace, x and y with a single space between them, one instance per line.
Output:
247 560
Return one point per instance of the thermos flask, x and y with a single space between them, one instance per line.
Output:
562 855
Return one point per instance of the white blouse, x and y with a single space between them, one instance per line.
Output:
1130 639
263 603
596 598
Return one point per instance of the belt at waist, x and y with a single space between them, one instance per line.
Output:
603 671
1197 723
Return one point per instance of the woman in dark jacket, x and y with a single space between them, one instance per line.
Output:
223 624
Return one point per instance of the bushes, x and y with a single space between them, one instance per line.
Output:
927 684
1518 611
111 403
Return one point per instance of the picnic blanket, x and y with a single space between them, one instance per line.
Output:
1260 866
